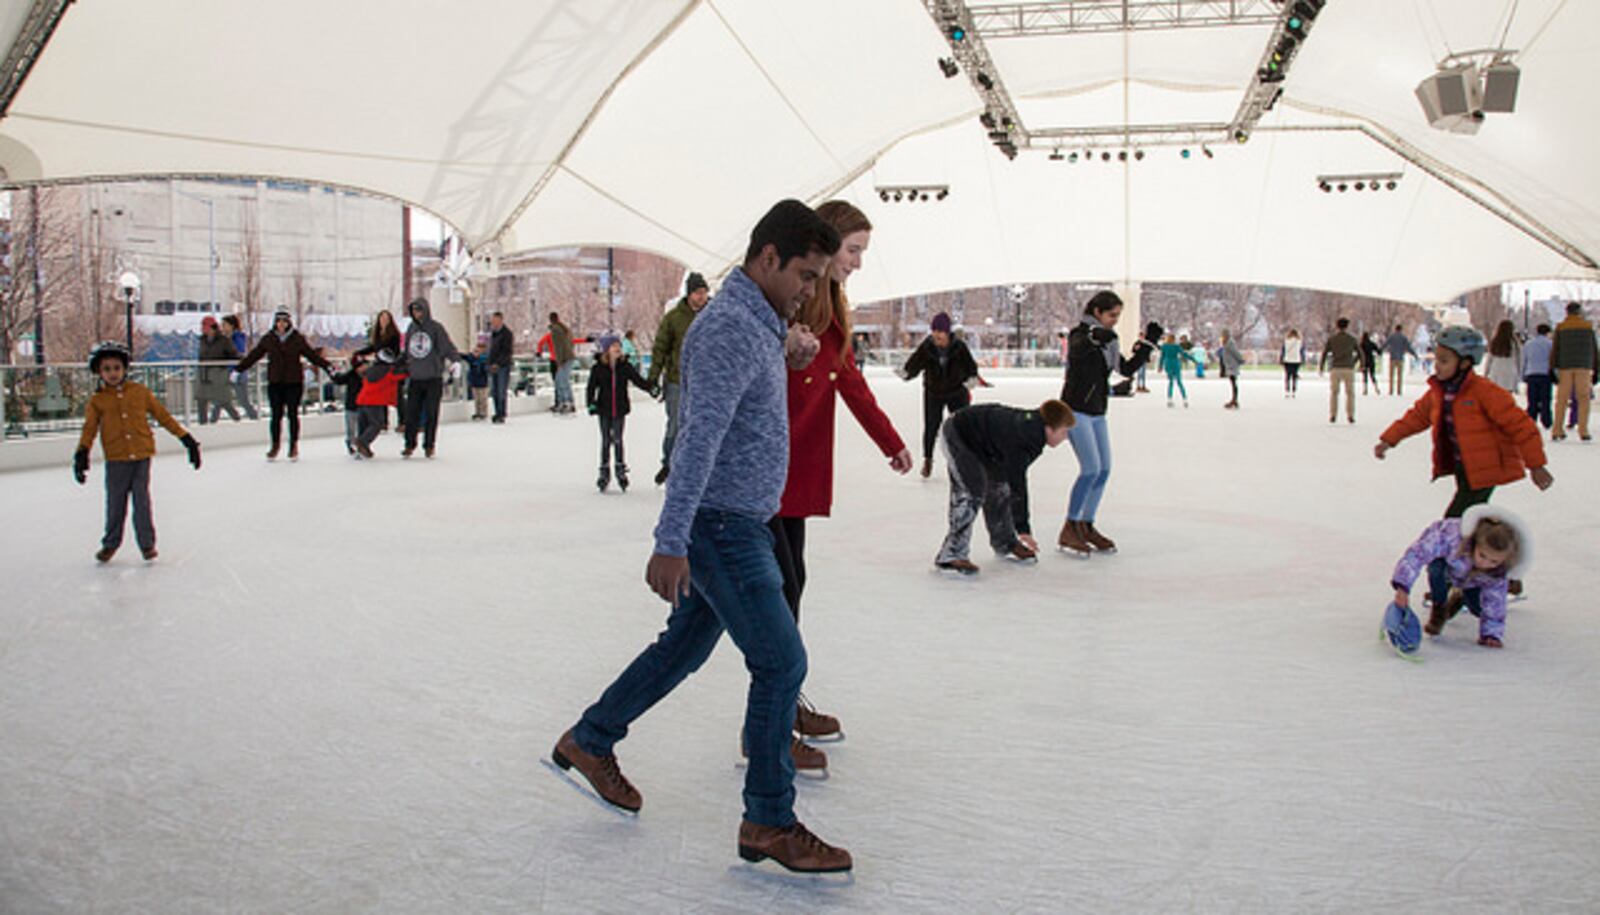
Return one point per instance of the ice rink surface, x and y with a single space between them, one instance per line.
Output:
332 691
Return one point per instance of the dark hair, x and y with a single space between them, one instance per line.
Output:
498 314
1342 323
1102 302
1056 415
1400 328
231 319
794 230
554 317
1542 329
1504 337
1574 308
417 303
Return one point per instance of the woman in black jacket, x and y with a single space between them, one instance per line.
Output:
946 367
608 402
1092 354
284 347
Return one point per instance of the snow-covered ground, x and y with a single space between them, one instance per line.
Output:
333 690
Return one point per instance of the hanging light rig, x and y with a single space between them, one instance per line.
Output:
912 193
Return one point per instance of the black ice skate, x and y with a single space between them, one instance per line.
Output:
604 480
622 477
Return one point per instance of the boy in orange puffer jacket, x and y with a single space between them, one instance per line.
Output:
1480 435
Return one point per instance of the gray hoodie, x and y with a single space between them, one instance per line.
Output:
426 346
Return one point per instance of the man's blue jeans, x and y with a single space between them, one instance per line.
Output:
564 381
499 383
736 586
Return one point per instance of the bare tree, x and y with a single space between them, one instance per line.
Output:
249 285
41 282
1486 308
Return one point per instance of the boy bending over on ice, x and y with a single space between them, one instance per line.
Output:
988 449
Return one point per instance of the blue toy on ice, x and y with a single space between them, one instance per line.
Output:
1401 628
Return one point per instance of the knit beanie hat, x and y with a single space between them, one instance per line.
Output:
940 322
695 281
605 342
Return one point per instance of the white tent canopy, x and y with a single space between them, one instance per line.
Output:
670 126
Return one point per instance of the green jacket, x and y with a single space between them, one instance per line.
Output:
667 350
1343 349
1574 345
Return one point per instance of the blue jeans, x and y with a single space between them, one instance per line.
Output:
564 381
499 383
735 585
1439 589
1091 442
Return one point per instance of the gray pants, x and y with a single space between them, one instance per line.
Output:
672 394
972 485
125 480
352 427
373 419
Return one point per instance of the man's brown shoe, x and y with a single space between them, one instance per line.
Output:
796 848
808 722
1071 540
1099 541
601 772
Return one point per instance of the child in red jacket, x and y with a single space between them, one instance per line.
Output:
380 388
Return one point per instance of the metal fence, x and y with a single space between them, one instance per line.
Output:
50 399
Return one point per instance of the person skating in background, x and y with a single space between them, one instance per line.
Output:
1292 354
1229 362
607 399
214 393
284 347
1471 562
120 412
666 358
988 449
350 378
427 348
477 363
1343 352
808 490
1370 351
1503 365
564 359
500 362
1537 375
630 349
1399 348
1095 353
240 381
380 389
713 557
1172 359
384 333
948 371
1575 358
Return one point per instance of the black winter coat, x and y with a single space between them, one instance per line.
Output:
283 357
942 382
1088 373
500 348
1007 440
607 394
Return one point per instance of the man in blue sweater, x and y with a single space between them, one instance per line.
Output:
713 551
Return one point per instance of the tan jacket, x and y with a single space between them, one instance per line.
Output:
119 414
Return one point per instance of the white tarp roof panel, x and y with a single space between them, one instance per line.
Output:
670 125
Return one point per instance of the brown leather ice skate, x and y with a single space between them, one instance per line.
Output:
602 773
794 847
805 756
808 722
1071 540
1100 542
1440 615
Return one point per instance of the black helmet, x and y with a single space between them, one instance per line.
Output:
108 348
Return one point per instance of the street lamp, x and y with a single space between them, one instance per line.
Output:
129 281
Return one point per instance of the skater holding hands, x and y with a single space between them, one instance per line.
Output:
607 398
118 411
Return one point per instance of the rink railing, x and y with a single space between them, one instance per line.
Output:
50 399
1254 360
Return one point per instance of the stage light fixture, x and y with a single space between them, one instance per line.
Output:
1122 155
1392 185
1105 157
985 81
1184 154
943 193
1206 151
897 195
1055 155
1073 158
948 66
1138 155
1361 185
957 33
884 196
1343 187
1326 187
1241 136
987 120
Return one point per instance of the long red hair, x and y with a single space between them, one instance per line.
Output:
828 305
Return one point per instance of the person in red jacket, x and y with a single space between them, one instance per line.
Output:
380 390
809 490
1480 436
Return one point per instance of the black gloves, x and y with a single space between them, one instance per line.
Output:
80 465
1101 335
1153 332
194 450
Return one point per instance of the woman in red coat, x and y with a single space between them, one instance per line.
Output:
809 491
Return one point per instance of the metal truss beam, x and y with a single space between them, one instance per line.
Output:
1067 17
1116 136
35 33
1002 121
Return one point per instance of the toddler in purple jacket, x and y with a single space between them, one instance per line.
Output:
1469 561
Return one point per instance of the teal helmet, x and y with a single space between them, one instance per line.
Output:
1464 342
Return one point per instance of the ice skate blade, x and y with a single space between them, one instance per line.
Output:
1075 554
755 857
835 737
1413 656
583 789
